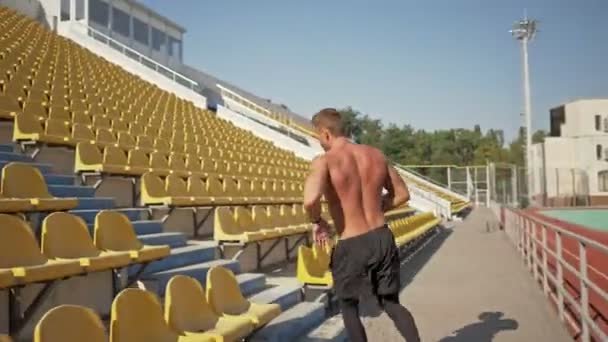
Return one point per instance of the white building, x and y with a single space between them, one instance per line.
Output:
572 164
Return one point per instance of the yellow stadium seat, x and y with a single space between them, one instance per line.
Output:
280 221
215 190
105 137
198 188
28 128
126 140
100 121
225 297
70 323
81 118
263 222
227 227
137 315
58 132
14 205
159 163
177 164
162 145
177 189
21 256
114 232
82 133
153 190
138 160
20 180
145 143
312 270
65 236
187 311
5 338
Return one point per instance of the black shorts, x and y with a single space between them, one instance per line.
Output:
370 259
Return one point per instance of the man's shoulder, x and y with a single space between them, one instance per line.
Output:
370 152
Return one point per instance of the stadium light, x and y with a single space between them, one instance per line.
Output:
524 30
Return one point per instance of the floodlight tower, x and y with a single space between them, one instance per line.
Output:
524 31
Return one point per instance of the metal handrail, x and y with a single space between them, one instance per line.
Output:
526 238
175 76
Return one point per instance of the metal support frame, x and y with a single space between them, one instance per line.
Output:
18 321
196 224
24 145
554 284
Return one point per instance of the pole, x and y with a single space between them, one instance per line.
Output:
528 116
449 178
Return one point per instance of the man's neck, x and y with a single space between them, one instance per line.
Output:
338 143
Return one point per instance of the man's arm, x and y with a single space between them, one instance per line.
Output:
397 192
314 188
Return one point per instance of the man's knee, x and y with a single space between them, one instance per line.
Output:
388 299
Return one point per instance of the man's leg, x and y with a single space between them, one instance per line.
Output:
352 322
403 319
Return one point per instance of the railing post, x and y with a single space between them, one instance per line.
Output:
529 243
545 268
533 228
584 293
560 276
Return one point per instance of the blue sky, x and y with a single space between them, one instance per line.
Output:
432 64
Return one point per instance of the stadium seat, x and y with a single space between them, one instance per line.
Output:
137 315
20 180
28 128
21 256
114 232
69 323
227 228
14 205
263 222
225 297
65 236
187 311
5 338
311 269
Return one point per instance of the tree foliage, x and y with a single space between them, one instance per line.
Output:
409 146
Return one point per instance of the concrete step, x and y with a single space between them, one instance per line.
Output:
52 179
8 148
95 203
134 214
191 254
331 330
44 168
197 271
17 157
284 295
141 227
291 324
174 240
251 282
72 191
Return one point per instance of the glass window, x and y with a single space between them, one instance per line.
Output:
598 152
598 122
99 12
174 47
602 181
65 10
120 22
140 31
158 39
79 9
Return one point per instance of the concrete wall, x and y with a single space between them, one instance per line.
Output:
34 9
264 132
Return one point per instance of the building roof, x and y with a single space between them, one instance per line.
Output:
156 15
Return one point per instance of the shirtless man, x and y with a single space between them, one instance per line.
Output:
352 178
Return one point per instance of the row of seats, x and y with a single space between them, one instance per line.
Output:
456 203
258 223
191 314
194 191
115 160
67 248
313 262
24 189
58 132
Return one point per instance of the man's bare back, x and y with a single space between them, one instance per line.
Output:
357 175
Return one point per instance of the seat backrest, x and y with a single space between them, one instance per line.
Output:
176 162
197 187
230 187
70 323
104 135
137 315
57 128
193 163
158 160
186 307
215 187
144 142
27 123
126 140
66 236
100 121
138 158
21 180
113 155
88 154
162 145
260 217
223 292
82 132
176 186
322 255
307 260
244 219
152 185
18 246
225 221
275 218
114 232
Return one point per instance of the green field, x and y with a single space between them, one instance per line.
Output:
592 218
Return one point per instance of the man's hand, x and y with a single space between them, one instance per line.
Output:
320 232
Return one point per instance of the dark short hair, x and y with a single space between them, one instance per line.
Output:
330 119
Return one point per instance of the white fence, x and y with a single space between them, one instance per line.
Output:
558 259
